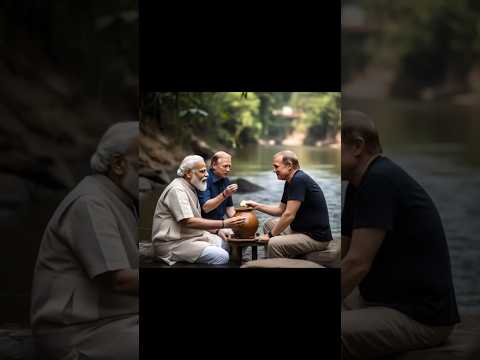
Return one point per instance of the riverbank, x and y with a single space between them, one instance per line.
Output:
161 155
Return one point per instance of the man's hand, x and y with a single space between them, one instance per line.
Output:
122 281
234 222
251 204
230 189
225 233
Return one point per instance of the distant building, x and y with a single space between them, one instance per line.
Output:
289 113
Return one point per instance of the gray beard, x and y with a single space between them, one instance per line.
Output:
130 183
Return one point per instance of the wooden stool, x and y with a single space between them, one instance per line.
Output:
237 245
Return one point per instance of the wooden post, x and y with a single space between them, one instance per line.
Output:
254 252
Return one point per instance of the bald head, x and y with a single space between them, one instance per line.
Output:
357 125
289 158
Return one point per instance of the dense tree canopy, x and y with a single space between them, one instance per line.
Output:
235 119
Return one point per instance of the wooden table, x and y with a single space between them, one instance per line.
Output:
237 245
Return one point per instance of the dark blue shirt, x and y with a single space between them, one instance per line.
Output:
215 186
411 271
312 216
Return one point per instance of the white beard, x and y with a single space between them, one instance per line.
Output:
199 184
130 182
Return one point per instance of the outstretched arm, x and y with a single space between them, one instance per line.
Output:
207 224
273 210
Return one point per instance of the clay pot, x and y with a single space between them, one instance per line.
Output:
248 229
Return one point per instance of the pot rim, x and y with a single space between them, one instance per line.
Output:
244 208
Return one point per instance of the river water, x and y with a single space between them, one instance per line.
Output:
437 143
254 164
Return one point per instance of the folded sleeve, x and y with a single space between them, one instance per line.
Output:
94 237
178 204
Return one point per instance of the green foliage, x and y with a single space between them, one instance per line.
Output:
234 119
228 118
322 114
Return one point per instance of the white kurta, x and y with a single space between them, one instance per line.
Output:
93 231
173 241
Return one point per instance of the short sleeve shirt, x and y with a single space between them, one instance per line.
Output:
411 270
172 240
93 231
312 217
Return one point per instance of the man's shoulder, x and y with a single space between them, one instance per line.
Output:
302 178
176 184
384 171
87 189
211 177
82 197
384 166
175 187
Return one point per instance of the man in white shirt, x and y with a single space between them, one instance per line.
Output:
179 232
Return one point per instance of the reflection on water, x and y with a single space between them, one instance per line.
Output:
438 145
322 164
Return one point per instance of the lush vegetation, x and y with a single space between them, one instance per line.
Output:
235 119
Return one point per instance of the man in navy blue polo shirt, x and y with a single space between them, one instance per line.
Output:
394 250
303 224
216 202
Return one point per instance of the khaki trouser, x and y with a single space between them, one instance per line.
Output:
290 244
372 332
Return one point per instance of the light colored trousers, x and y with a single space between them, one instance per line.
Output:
101 340
215 254
373 332
290 244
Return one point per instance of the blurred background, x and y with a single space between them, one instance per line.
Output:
68 70
252 126
414 66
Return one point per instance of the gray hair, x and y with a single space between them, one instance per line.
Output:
289 158
188 163
219 155
116 140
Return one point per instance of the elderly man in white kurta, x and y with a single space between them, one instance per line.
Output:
179 232
85 287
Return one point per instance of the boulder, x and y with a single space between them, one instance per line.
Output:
245 186
201 148
330 257
463 344
281 263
